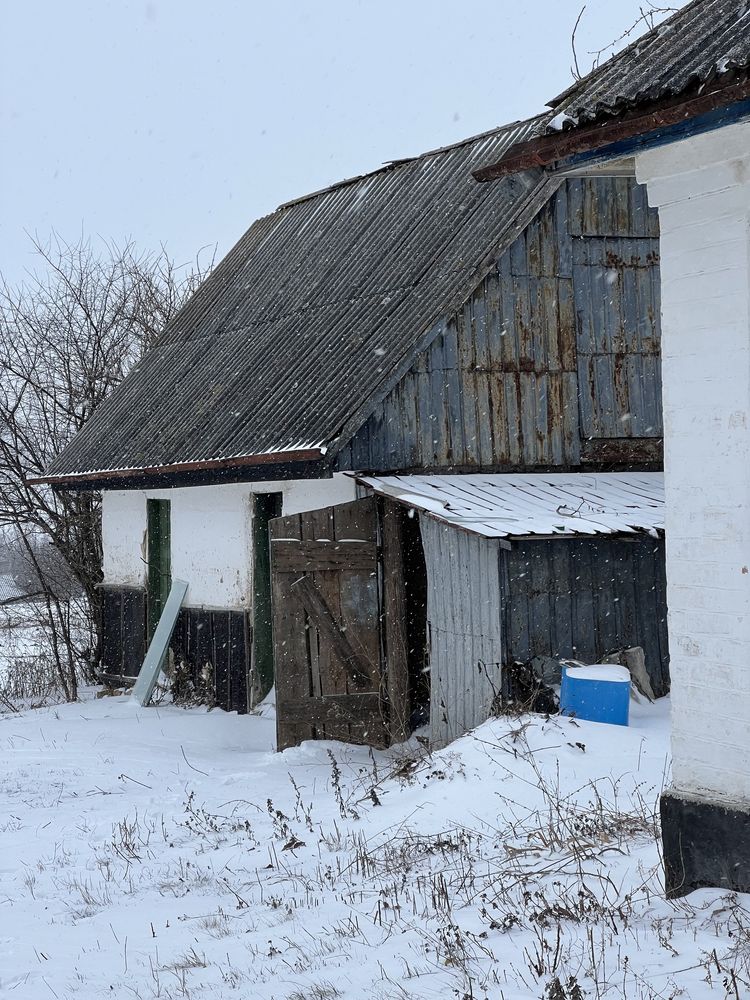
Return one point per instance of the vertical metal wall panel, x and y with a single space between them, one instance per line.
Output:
611 206
464 627
619 370
584 597
559 344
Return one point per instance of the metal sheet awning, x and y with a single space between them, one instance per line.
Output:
539 504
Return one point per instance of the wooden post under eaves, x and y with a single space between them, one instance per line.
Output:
394 613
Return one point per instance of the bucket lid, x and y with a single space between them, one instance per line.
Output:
610 672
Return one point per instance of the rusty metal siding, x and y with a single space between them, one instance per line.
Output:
616 293
557 345
611 206
584 597
464 628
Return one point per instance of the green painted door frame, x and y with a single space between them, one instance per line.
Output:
265 507
159 558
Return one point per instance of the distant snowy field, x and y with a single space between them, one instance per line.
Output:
169 853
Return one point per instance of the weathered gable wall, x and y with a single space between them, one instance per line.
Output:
552 362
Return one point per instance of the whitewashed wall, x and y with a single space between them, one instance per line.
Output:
702 188
211 533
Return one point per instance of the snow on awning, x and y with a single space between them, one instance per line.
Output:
519 505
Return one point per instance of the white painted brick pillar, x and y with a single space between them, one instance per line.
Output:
701 186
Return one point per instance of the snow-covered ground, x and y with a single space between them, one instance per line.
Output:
169 853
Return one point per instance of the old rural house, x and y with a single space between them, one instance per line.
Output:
407 323
673 109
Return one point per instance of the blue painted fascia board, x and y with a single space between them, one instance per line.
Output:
730 114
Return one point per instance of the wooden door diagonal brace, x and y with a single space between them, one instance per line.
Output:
319 612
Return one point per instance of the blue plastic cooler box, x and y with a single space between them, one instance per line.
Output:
599 693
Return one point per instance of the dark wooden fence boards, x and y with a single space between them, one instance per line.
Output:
123 631
516 379
220 638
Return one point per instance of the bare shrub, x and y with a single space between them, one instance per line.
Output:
68 336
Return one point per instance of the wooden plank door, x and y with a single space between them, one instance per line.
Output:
326 626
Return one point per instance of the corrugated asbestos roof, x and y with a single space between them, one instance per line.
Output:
700 42
311 313
517 505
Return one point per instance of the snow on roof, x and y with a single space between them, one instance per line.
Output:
519 505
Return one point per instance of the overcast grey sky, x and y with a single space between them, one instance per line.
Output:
181 121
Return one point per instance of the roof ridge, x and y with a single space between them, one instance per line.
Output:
395 164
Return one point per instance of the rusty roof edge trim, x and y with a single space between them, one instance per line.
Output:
205 465
545 150
527 211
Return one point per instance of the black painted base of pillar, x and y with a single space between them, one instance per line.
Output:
706 845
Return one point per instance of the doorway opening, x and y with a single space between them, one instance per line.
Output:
415 593
159 559
266 506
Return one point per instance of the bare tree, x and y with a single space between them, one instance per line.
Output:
68 336
650 14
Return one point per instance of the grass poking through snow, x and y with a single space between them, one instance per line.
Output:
520 862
